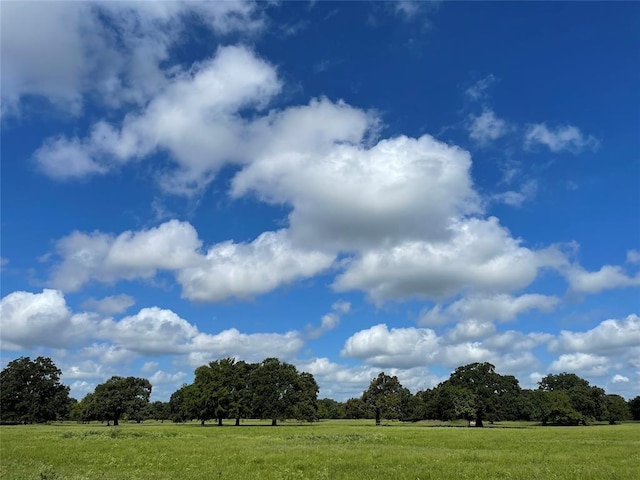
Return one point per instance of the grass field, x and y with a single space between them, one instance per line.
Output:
325 450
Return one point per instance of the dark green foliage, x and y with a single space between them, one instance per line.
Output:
30 391
480 389
617 409
119 396
634 407
588 401
356 408
386 396
329 408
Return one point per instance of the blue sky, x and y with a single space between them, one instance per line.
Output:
351 187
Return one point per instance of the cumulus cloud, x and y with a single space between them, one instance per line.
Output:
194 119
617 378
500 308
109 305
244 270
480 256
581 363
106 258
607 278
564 138
609 336
29 319
487 127
63 51
407 188
515 198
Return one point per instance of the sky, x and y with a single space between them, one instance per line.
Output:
350 187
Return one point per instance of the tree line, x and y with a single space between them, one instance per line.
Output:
31 392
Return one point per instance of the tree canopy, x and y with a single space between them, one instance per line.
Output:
30 391
119 396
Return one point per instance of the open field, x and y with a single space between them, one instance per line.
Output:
326 450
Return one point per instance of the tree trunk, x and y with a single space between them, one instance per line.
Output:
377 416
274 422
115 422
219 421
237 421
479 420
202 422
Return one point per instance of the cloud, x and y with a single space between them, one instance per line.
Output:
63 51
195 119
581 363
407 188
329 321
610 336
478 91
500 308
633 257
487 127
619 378
515 198
564 138
30 319
479 256
607 278
244 270
106 258
109 305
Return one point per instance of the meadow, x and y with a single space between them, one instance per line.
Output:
322 450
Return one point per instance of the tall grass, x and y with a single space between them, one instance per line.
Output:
326 450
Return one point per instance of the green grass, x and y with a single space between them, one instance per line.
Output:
325 450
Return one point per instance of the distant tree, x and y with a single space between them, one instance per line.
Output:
385 396
158 411
355 409
585 399
553 408
119 396
179 404
634 407
30 391
306 405
330 408
277 388
489 394
617 409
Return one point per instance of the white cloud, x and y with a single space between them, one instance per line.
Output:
617 378
329 321
515 198
478 91
608 337
564 138
487 127
252 347
500 307
633 257
407 188
582 364
195 119
161 377
244 270
480 256
398 347
63 50
607 278
152 331
30 319
105 258
109 305
469 330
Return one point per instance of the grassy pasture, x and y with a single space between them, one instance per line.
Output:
325 450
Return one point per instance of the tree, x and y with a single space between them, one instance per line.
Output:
355 409
634 407
585 399
489 393
30 391
617 409
386 396
276 389
119 396
329 408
